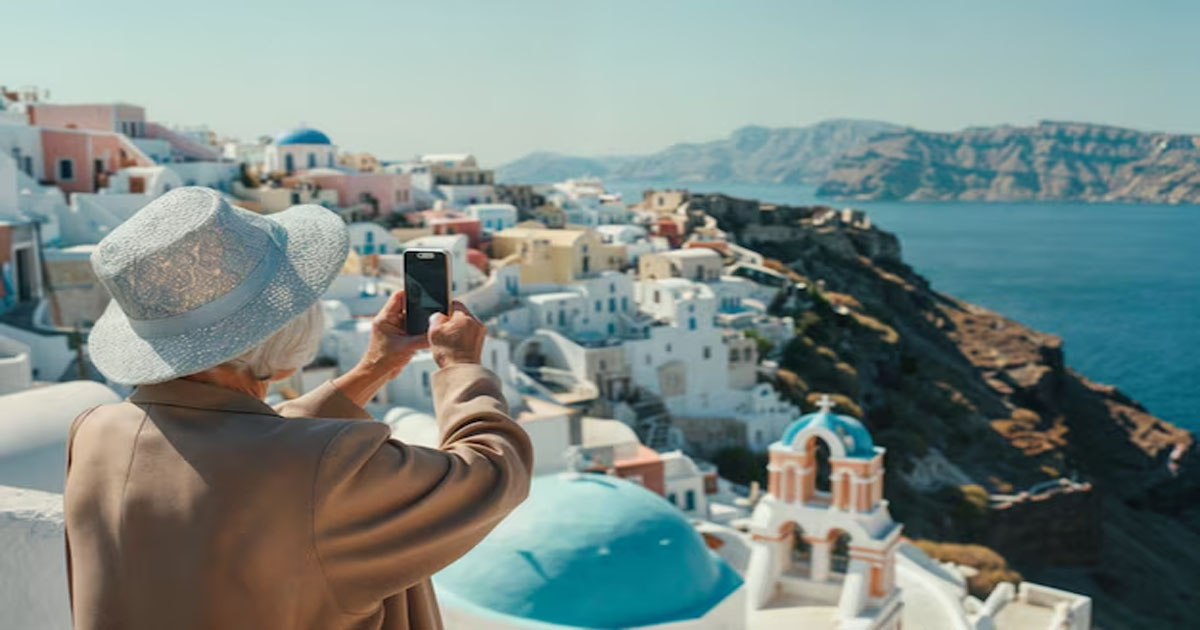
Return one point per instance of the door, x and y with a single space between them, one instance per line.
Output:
24 274
97 173
137 184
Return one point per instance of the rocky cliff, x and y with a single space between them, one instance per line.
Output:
991 437
1051 161
749 154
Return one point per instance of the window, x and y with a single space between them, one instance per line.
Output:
289 163
668 347
707 352
425 381
612 328
647 359
612 287
603 365
689 500
746 354
612 305
599 307
657 297
329 161
691 323
29 166
312 160
624 304
494 359
66 170
673 499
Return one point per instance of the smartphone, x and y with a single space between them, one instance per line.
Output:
426 287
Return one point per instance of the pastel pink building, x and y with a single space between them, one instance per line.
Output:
119 117
122 118
80 160
444 221
385 192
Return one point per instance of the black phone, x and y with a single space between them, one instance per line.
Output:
426 287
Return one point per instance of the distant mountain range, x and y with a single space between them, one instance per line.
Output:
1050 161
862 159
750 154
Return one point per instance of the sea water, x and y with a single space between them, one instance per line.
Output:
1120 283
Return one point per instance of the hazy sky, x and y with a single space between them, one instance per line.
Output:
504 78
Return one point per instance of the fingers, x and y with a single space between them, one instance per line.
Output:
436 320
459 307
393 310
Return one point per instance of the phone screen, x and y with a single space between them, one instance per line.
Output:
426 288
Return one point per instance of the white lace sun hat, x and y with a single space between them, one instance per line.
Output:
196 282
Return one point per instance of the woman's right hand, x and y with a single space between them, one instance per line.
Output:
457 338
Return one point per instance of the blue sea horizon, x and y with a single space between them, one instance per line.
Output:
1120 283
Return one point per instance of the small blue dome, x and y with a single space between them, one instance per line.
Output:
302 135
590 551
853 434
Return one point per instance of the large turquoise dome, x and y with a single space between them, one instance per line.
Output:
302 135
590 551
853 435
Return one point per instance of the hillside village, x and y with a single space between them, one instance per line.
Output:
649 343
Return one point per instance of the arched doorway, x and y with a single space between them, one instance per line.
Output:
818 452
839 554
801 552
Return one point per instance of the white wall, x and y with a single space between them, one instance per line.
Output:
34 427
218 175
372 238
275 158
16 368
50 354
494 217
27 141
33 570
9 207
156 149
461 196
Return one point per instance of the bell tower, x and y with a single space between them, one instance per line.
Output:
824 521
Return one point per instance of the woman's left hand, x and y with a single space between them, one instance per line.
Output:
389 349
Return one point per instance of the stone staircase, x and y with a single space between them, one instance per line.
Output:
652 423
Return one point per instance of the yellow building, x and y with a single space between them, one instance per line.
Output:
556 256
457 169
664 201
699 263
364 162
269 200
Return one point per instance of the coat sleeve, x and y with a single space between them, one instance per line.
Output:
325 401
387 515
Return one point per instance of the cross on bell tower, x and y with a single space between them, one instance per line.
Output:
825 403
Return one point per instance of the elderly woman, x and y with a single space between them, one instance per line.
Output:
194 504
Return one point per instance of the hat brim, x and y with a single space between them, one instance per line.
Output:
316 250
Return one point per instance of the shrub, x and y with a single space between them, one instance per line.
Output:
741 465
991 568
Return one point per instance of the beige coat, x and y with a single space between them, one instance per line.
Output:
192 506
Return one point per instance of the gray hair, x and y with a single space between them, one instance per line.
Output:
290 348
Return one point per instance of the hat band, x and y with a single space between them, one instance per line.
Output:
218 309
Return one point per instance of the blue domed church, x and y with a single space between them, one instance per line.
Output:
592 551
299 149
